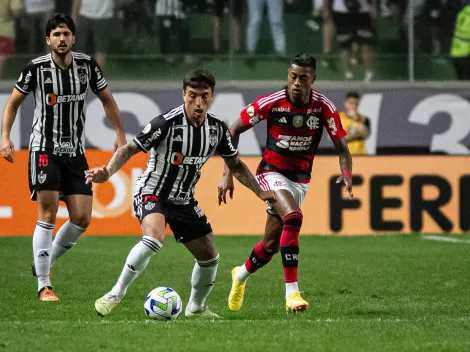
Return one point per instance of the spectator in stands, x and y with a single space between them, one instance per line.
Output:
95 20
9 11
327 30
235 9
355 124
36 14
172 28
276 14
460 50
353 20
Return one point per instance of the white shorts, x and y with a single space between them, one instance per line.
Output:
275 181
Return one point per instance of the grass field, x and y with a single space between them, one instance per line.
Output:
386 293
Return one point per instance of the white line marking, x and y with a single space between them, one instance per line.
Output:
225 321
445 239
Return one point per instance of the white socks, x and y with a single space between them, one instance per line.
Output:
136 262
291 287
66 238
202 281
242 274
42 245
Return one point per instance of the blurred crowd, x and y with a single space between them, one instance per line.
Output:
127 26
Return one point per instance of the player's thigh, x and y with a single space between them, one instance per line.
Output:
202 248
44 172
73 171
79 207
152 215
289 195
344 29
188 222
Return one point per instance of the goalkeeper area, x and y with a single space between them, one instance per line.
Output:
366 293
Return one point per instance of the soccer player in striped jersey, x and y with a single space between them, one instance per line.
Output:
179 141
296 117
59 82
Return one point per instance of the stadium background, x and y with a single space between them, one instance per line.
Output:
367 292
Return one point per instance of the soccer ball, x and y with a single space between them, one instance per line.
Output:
163 303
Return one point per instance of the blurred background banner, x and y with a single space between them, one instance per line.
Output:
427 194
404 120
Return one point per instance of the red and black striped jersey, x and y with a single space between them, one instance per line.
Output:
293 132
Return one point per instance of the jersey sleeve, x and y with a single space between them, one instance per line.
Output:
27 80
226 147
254 113
97 80
332 121
152 134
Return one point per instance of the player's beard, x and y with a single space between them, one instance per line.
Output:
62 53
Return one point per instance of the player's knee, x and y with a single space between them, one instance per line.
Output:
48 215
82 221
272 246
293 219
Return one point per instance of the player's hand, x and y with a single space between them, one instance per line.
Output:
7 149
97 175
225 184
347 180
268 196
119 142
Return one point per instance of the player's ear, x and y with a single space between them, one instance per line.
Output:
314 77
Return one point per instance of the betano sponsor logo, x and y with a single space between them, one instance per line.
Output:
52 99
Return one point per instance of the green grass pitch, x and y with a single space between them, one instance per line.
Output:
367 293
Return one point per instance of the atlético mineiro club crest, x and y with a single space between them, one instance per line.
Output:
82 76
42 177
212 137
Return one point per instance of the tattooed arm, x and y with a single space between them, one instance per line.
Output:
120 157
241 172
345 164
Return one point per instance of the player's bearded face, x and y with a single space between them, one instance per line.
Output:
300 80
61 40
196 103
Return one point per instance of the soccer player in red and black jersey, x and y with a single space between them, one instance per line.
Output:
295 117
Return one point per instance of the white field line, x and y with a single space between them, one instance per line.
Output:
445 239
226 321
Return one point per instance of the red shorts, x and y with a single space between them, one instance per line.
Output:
7 46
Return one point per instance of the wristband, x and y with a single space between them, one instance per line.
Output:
347 173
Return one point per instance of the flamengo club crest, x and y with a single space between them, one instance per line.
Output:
298 121
42 177
212 137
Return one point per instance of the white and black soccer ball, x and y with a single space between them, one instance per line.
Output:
163 303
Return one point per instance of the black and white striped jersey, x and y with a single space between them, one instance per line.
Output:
178 151
60 101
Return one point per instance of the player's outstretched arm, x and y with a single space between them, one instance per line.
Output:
7 149
120 157
112 112
226 183
345 163
246 178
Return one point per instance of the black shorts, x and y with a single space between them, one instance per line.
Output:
353 27
188 222
64 174
238 7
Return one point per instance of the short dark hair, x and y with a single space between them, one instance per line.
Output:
353 94
56 20
304 60
201 79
